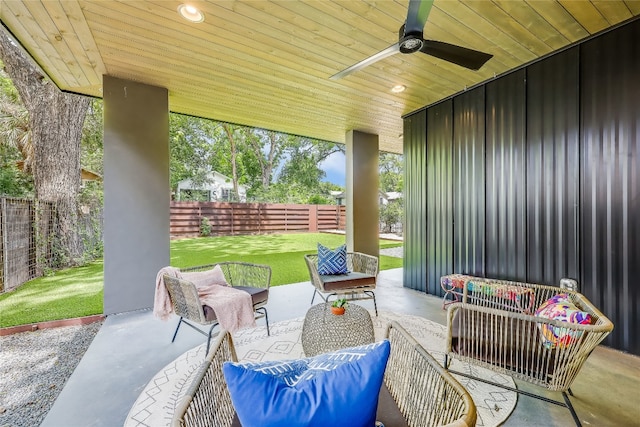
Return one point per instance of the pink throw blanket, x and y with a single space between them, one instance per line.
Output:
162 307
233 307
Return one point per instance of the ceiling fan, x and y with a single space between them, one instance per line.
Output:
411 40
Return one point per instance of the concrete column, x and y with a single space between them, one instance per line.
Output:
136 192
362 192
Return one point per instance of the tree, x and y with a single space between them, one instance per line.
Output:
13 181
268 148
91 155
390 166
15 142
190 149
250 157
55 121
235 135
391 180
305 157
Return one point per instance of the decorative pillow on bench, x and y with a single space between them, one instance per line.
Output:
332 262
333 389
559 307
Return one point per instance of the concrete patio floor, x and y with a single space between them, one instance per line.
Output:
132 347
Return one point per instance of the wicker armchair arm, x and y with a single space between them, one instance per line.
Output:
207 401
426 393
312 265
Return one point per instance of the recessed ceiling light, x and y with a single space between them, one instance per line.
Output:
190 13
398 88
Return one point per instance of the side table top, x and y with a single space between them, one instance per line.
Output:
324 331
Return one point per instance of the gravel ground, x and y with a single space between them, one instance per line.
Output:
34 366
395 252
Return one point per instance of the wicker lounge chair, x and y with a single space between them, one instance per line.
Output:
252 278
359 284
494 326
417 391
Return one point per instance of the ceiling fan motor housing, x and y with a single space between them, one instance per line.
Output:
410 43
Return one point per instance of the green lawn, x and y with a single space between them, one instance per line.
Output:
77 292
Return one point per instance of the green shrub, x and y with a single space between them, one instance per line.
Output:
205 226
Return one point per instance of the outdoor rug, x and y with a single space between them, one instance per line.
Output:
156 404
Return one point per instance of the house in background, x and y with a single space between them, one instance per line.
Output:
383 198
389 197
216 188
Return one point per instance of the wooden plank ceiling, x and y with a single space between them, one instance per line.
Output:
267 63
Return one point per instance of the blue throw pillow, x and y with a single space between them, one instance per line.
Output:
333 389
332 261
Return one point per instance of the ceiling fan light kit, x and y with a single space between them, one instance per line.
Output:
411 40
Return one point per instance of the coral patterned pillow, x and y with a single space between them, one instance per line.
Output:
560 308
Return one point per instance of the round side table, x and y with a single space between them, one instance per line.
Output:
324 331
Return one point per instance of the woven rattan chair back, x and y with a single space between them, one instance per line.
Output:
185 300
426 394
207 402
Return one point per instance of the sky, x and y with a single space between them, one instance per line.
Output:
335 166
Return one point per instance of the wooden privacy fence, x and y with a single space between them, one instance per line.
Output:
24 248
253 218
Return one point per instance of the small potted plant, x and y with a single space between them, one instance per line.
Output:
338 306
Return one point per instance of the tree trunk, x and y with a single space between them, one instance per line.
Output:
268 169
234 155
56 119
266 164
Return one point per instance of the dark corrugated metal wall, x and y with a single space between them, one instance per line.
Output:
468 171
439 198
542 177
505 237
553 181
610 105
415 184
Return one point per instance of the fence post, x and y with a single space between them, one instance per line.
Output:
313 218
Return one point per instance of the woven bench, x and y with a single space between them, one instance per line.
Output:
494 326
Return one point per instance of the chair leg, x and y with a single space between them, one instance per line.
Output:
176 332
266 317
373 295
314 295
570 407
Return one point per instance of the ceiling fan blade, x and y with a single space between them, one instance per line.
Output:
458 55
391 50
417 15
